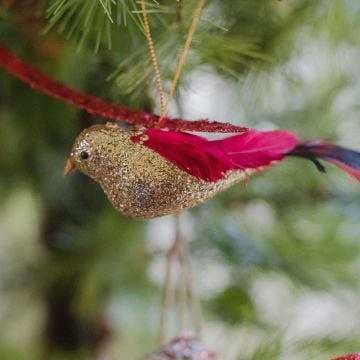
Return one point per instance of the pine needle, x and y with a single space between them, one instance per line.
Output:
81 20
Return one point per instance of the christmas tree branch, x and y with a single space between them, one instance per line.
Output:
93 105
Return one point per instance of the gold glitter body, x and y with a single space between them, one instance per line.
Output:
139 182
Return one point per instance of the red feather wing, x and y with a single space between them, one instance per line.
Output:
189 152
210 160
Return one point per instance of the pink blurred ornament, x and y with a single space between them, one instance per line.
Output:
183 348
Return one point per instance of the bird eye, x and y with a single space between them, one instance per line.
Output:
84 155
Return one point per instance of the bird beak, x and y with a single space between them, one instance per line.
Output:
69 167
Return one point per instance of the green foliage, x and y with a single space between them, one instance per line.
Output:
81 20
248 36
234 306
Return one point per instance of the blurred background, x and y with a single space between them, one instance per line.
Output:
276 265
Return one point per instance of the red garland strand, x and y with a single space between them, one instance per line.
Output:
95 106
349 357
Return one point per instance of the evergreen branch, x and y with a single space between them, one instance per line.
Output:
95 19
89 18
232 54
230 46
93 105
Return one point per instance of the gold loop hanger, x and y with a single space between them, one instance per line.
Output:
181 61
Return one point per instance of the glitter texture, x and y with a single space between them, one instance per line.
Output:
139 182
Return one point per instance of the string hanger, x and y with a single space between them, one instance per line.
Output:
182 57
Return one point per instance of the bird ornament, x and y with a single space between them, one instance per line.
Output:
147 173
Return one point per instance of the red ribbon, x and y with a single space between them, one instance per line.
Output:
95 106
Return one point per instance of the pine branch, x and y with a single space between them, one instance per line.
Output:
93 19
232 36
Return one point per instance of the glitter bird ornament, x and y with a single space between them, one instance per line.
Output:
153 172
139 182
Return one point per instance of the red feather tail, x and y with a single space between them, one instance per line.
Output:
345 159
210 160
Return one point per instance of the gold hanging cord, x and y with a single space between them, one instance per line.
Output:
153 59
182 57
